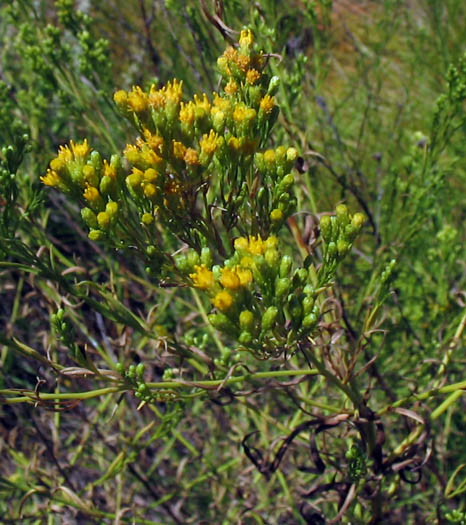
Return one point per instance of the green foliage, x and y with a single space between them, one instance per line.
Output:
245 302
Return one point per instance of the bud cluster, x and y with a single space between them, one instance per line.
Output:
338 233
134 376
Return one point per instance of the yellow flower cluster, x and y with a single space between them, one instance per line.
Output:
225 287
207 146
66 164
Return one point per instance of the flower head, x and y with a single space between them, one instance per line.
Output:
223 301
202 277
267 104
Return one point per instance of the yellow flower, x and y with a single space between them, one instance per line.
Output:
209 143
149 190
267 104
109 170
246 38
91 194
156 97
276 215
80 150
173 91
244 275
154 141
235 143
51 178
252 76
179 149
202 102
121 99
223 301
269 156
239 114
64 154
256 245
187 113
230 53
235 278
138 101
150 157
243 62
150 175
220 104
132 154
231 88
57 164
147 219
103 219
135 178
230 279
202 278
241 244
191 157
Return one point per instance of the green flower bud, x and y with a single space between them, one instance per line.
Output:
272 257
285 266
96 235
246 320
259 161
286 183
282 287
222 323
309 321
140 369
90 175
273 85
291 154
309 290
89 217
308 304
331 250
103 219
245 338
343 247
131 371
151 250
206 257
262 195
96 161
358 221
269 318
120 368
192 258
111 208
181 263
350 232
296 311
106 185
326 228
276 216
342 214
300 277
147 219
217 271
